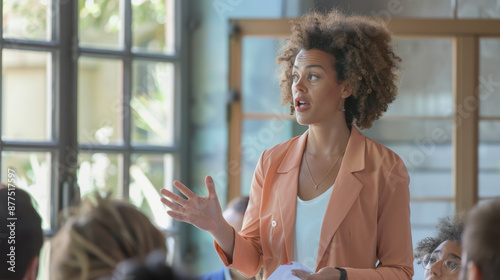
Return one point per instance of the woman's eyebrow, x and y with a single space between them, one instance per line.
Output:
310 66
455 256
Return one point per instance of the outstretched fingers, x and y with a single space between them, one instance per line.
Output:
174 197
174 207
184 190
177 216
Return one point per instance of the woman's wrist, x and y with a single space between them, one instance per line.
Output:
343 273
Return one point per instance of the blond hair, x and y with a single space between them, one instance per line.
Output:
100 235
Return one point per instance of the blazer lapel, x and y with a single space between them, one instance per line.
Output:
287 189
345 191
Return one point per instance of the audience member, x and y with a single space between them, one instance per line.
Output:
100 235
20 239
440 255
481 243
154 267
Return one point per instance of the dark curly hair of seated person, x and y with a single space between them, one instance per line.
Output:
447 229
364 57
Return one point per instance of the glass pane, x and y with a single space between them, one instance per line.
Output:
478 9
152 103
100 24
100 172
489 78
21 120
27 19
153 26
260 77
426 78
148 175
100 101
257 136
426 149
424 218
33 172
489 158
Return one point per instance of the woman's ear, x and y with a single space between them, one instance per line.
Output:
346 90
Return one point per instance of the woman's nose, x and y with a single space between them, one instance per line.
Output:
436 268
298 85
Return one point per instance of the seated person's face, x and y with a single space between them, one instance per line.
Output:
233 218
444 262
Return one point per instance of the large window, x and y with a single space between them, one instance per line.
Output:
90 101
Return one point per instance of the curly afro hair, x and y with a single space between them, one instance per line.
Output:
448 229
363 57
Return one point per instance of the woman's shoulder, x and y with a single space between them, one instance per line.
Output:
278 151
376 150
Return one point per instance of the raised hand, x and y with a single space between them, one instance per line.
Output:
204 213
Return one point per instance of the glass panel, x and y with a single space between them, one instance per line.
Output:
27 19
100 101
489 158
489 78
153 26
260 77
100 172
21 120
478 9
100 24
152 103
426 149
148 175
33 172
424 218
257 136
426 78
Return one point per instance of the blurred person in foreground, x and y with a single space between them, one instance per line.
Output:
24 235
98 236
481 243
441 255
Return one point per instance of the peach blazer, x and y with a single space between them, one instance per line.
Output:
366 227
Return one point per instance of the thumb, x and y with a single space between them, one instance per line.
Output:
209 183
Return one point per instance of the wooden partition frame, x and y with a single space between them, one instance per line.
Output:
465 34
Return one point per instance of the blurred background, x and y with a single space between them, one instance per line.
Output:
125 96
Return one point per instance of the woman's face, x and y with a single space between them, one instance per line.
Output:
448 250
317 96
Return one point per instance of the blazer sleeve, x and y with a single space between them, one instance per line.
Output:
394 243
247 252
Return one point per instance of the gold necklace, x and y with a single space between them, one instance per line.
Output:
331 168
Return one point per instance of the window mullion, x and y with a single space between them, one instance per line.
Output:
127 93
466 126
66 191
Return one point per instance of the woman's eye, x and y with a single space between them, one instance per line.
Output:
313 77
452 265
295 77
432 259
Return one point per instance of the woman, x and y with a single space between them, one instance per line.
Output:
331 198
99 236
441 255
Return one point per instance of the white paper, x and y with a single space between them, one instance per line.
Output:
284 271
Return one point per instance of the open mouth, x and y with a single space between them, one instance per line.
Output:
299 102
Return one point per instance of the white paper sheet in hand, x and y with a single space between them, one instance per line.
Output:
284 271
